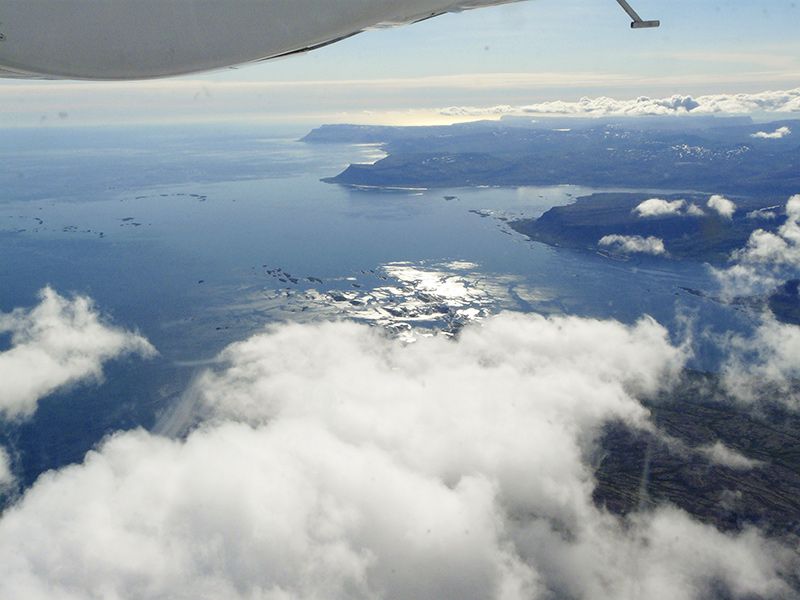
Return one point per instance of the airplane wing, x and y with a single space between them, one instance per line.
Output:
142 39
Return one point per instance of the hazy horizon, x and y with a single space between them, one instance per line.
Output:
515 54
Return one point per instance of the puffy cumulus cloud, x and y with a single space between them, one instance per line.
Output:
656 207
57 343
633 244
511 354
692 210
661 557
334 462
765 364
770 101
779 133
290 511
767 260
722 206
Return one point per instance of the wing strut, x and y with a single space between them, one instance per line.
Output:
637 23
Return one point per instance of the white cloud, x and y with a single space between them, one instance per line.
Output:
764 365
6 475
633 244
335 462
656 207
58 343
660 558
722 206
767 260
527 346
779 133
767 214
719 454
693 210
771 101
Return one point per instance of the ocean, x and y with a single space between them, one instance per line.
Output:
198 237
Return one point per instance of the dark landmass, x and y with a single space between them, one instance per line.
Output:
709 238
717 155
706 154
785 302
637 470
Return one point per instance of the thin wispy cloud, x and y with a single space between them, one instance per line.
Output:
6 476
764 365
719 454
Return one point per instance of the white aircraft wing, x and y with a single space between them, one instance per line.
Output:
141 39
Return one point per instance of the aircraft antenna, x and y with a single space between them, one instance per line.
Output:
638 22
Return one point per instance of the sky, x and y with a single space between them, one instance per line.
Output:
521 53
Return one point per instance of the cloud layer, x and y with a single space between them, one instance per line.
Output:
787 101
334 462
58 343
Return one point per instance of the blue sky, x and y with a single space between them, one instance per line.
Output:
569 35
514 54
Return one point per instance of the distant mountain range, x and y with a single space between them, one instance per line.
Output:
694 156
710 154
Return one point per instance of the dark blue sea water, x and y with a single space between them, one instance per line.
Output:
199 237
